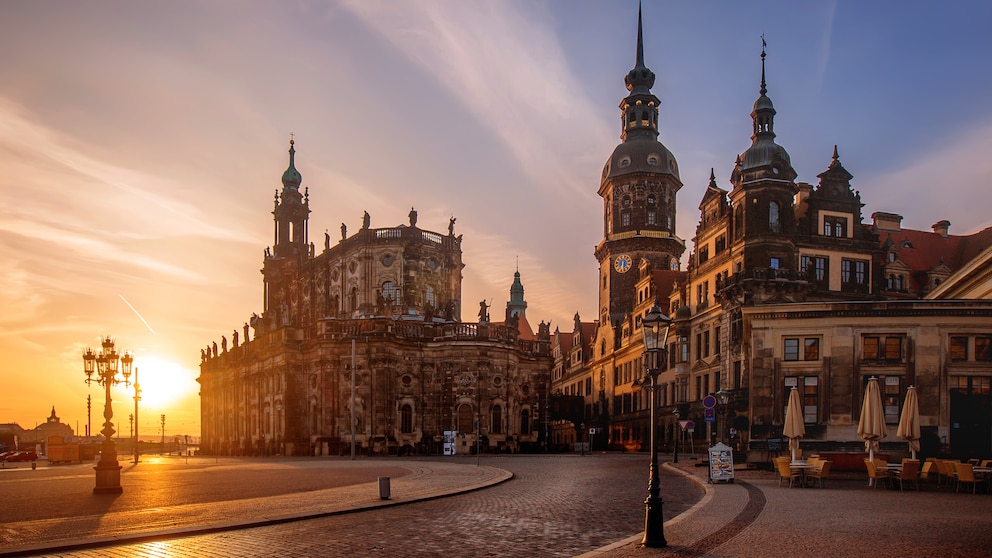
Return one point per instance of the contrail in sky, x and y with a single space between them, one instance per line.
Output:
143 320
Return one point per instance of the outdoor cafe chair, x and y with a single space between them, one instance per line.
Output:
820 472
909 474
787 472
966 473
929 471
875 474
947 470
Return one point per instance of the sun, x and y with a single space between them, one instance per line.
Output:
163 383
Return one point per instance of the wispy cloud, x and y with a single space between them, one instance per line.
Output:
962 167
503 62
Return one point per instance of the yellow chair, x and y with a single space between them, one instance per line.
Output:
909 473
787 472
875 475
966 473
947 470
820 472
929 471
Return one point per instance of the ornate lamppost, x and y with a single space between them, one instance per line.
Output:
655 326
723 398
106 365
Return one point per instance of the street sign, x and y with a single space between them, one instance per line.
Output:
690 426
709 402
684 424
709 415
592 430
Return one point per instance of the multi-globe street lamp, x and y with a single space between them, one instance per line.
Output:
106 365
655 326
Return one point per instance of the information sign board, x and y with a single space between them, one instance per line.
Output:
721 463
709 415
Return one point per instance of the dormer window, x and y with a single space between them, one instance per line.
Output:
892 257
835 226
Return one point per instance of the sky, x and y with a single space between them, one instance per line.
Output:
141 144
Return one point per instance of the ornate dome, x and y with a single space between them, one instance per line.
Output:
644 155
292 177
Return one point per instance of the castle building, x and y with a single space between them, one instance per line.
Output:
786 287
363 342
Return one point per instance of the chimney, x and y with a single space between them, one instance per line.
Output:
887 221
941 227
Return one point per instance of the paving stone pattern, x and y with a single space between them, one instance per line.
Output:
554 506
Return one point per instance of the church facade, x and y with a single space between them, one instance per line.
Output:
362 342
787 286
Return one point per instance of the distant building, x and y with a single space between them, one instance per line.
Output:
381 306
53 426
786 286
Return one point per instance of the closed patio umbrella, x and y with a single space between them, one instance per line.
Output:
909 421
871 427
795 427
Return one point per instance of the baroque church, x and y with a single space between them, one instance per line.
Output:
787 286
361 345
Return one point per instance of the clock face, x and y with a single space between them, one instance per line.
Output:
622 263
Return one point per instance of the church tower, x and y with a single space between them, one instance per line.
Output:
638 187
516 306
292 211
290 251
764 192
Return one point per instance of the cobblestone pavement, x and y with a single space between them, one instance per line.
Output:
554 506
757 518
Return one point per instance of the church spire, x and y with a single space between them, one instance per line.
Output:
639 110
639 63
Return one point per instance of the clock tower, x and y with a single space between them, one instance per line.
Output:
638 187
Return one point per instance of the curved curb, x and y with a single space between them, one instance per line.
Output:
749 512
499 476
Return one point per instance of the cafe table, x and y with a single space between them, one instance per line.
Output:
802 466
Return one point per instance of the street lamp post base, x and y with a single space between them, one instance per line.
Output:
654 524
108 479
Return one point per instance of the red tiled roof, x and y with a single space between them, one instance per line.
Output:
523 327
923 251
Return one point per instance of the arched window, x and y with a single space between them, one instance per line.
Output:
496 421
774 225
429 297
890 282
525 422
406 419
389 293
353 299
465 419
738 222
